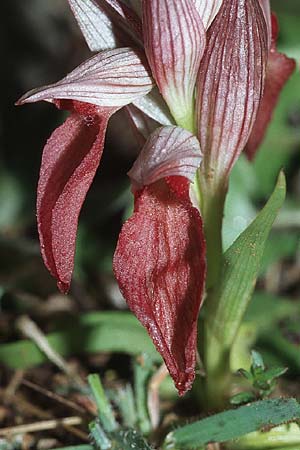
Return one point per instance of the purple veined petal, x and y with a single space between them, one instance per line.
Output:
160 267
105 23
154 106
174 38
113 78
279 70
169 151
125 16
208 9
230 84
70 160
266 7
142 124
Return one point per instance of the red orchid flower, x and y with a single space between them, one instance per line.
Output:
160 257
208 59
279 70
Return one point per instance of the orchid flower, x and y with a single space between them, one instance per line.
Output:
198 68
279 70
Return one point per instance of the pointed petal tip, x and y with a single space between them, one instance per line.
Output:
33 96
22 100
63 287
70 159
184 382
112 78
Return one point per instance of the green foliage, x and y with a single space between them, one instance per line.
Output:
283 437
124 440
143 368
96 328
124 399
105 412
263 380
240 270
232 424
106 433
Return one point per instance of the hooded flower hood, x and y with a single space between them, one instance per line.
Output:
197 64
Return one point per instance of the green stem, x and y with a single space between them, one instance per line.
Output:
216 362
104 408
212 201
284 436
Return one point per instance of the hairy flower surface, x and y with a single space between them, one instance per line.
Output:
199 64
160 257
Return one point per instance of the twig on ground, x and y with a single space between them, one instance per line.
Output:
31 330
13 385
54 396
153 394
40 426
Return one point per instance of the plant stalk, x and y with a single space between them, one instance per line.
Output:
215 385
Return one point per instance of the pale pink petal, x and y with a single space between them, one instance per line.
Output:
142 124
174 39
230 84
154 106
169 151
95 24
105 23
113 78
208 9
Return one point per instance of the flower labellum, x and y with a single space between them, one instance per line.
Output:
92 92
159 262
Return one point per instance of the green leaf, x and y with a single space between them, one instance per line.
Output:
257 361
270 374
284 437
99 436
125 439
233 424
128 440
240 270
105 412
143 369
124 399
242 397
94 332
